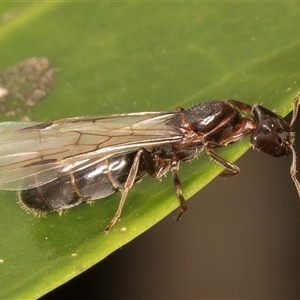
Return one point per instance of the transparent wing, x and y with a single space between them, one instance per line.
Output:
33 154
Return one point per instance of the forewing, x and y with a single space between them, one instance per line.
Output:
32 154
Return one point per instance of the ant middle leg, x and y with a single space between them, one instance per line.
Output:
230 169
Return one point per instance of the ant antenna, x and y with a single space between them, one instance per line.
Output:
293 171
293 168
295 109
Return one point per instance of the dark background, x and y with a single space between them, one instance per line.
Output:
240 238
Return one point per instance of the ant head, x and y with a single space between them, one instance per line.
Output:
272 134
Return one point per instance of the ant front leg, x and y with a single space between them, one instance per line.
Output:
230 168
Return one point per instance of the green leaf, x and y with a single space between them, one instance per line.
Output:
125 57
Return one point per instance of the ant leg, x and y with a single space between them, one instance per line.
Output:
177 184
127 186
230 168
